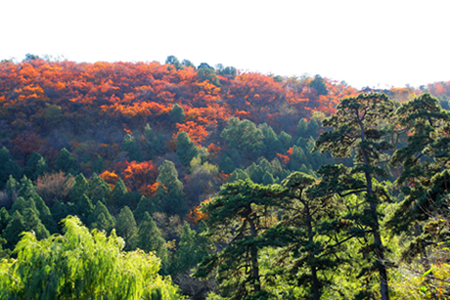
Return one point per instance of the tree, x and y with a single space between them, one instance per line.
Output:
130 146
186 149
66 163
238 218
81 265
169 193
36 166
149 239
101 218
126 227
8 167
360 127
424 180
319 85
177 114
98 190
119 191
243 135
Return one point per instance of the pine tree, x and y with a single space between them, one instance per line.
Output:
119 191
360 126
169 194
13 230
101 218
126 227
149 239
130 145
177 114
8 167
98 190
79 188
36 166
84 208
186 149
66 163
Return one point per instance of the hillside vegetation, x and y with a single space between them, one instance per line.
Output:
207 182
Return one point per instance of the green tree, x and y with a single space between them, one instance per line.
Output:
66 163
99 165
81 265
119 191
319 85
360 126
170 196
149 239
424 180
238 218
126 227
130 145
177 114
244 135
272 145
15 227
79 188
186 149
98 190
101 218
84 208
36 166
8 167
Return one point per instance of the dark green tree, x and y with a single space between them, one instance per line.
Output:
360 127
173 61
170 196
84 208
186 149
36 166
319 85
79 188
13 230
177 114
119 191
149 239
272 145
130 145
99 165
98 190
425 178
126 227
101 219
237 218
8 167
66 163
238 174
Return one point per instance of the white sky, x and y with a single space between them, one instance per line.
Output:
375 43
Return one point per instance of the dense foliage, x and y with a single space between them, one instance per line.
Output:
236 185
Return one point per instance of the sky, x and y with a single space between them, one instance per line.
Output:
364 43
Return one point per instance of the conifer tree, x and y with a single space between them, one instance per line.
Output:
84 208
98 190
36 166
79 188
126 227
130 145
101 218
66 163
177 114
8 167
237 217
170 196
99 165
149 239
186 149
13 230
360 125
119 191
4 219
237 175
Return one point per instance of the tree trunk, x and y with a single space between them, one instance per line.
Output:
254 258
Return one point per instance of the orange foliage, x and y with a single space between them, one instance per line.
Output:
138 176
196 215
196 132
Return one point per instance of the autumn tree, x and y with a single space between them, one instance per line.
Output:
359 127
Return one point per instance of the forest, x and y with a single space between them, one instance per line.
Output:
174 181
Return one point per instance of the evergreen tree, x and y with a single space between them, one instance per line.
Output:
126 227
8 167
84 208
359 126
36 166
149 239
237 175
255 172
101 218
235 218
66 163
177 114
186 149
285 140
145 205
268 178
272 145
33 223
244 135
226 164
169 194
79 188
13 230
4 219
98 190
119 191
130 145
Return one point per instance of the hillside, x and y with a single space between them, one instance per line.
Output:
146 150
